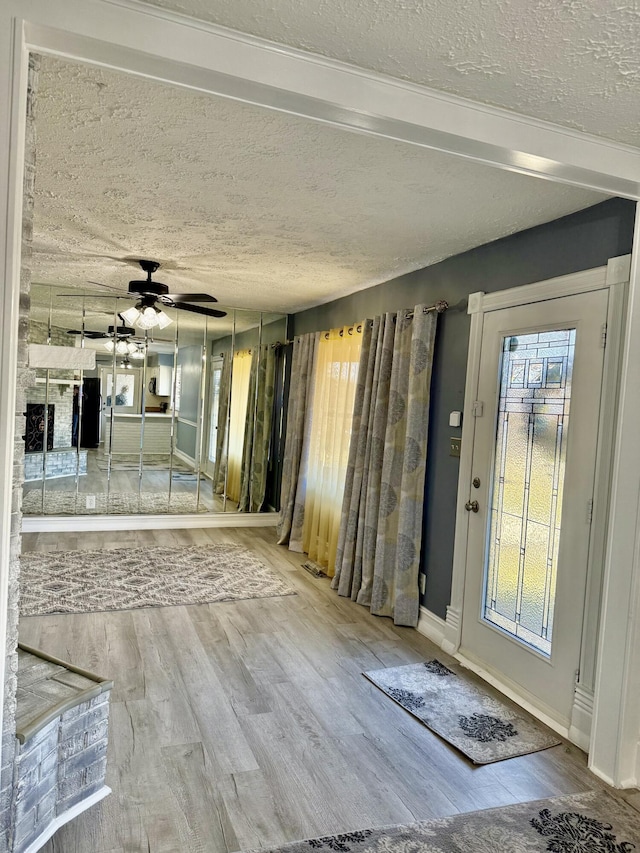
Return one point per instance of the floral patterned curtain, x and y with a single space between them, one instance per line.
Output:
378 553
257 433
298 426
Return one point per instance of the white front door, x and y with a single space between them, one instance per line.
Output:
530 499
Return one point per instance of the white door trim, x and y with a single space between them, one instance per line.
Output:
613 277
615 752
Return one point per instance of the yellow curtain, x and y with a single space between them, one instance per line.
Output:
337 360
237 418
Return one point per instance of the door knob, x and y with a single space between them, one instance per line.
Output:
471 506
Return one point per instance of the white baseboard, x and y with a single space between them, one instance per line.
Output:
65 817
452 631
188 460
432 626
79 523
625 784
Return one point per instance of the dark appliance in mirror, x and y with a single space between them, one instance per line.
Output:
90 419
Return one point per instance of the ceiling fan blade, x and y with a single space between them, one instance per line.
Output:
196 309
108 287
88 333
80 295
191 297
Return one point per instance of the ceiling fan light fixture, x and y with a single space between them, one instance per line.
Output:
164 320
148 318
109 346
122 348
130 315
137 354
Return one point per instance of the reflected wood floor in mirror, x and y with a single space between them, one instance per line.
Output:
248 724
124 480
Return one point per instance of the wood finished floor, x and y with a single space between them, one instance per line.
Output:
155 479
249 724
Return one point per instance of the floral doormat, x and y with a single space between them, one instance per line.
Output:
476 722
580 823
126 578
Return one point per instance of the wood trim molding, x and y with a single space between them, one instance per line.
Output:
81 523
552 288
581 718
432 627
615 739
454 611
172 47
65 817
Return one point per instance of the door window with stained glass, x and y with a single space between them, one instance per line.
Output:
528 477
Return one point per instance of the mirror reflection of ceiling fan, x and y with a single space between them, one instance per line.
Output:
118 338
152 296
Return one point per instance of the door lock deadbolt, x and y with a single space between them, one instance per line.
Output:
476 482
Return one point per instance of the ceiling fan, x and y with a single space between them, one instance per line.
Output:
150 294
112 332
119 338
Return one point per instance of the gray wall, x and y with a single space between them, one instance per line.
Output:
577 242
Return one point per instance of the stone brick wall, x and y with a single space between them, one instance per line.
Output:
60 463
25 380
62 765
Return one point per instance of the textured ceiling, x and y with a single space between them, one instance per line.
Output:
261 209
572 62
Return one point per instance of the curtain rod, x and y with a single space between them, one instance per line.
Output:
439 306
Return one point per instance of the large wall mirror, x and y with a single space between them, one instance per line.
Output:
181 419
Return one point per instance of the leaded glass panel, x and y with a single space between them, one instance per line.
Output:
528 477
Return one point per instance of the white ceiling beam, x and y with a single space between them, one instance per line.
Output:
129 35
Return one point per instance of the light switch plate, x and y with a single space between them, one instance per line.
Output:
455 443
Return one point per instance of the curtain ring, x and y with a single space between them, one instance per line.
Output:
359 329
350 330
341 332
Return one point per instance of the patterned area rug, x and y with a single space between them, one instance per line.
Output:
477 723
117 503
121 579
581 823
